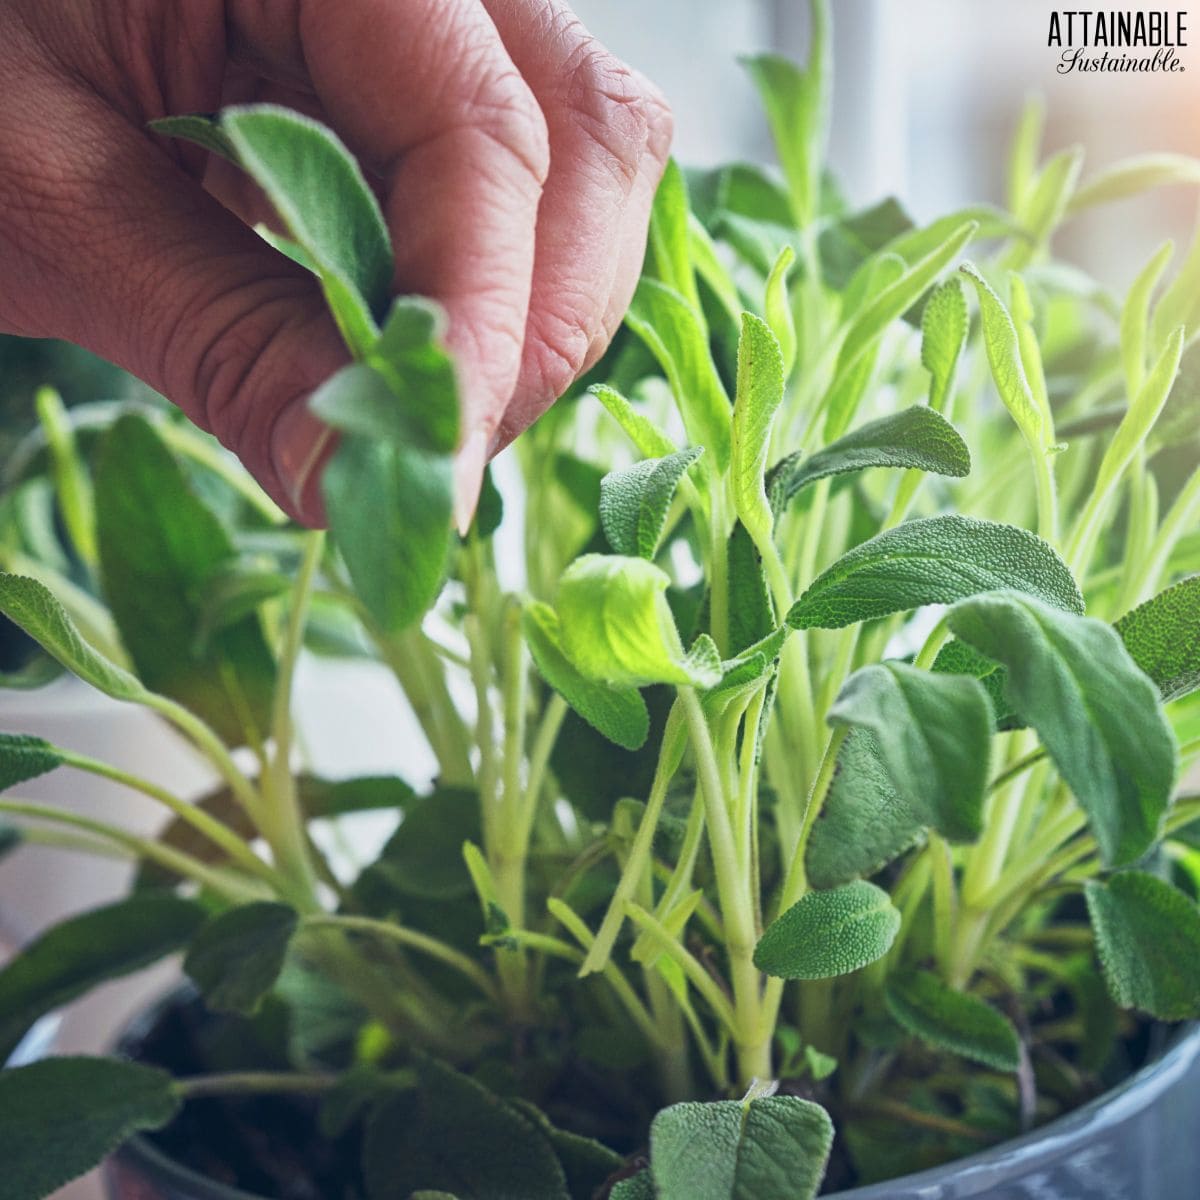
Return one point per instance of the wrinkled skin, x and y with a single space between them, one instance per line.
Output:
514 157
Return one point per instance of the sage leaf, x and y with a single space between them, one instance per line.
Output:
1163 638
390 509
202 129
894 300
635 501
586 1163
829 933
751 612
1148 940
729 1150
236 957
668 256
1097 714
675 334
760 377
159 546
1130 176
1050 193
642 432
934 561
317 188
63 1116
617 627
957 658
933 735
919 438
946 1019
25 757
1177 305
453 1135
796 100
636 1187
1004 357
777 307
74 956
849 242
31 606
1135 319
944 326
864 822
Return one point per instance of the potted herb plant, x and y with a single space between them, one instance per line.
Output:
813 813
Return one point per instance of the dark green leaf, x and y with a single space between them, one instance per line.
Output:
933 736
456 1136
71 958
63 1116
1163 638
846 244
635 501
955 1021
957 658
1148 939
619 713
236 958
636 1187
1098 716
829 933
917 437
586 1163
25 757
728 1150
159 546
751 613
934 561
864 823
423 858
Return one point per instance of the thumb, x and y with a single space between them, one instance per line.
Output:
106 242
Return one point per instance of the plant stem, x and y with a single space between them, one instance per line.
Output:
261 1083
412 939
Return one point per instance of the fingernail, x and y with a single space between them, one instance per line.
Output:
299 444
468 478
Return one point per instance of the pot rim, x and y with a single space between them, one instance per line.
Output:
1039 1146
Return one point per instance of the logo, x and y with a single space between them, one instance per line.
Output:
1118 42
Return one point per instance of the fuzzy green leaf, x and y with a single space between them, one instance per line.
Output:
619 713
1130 176
62 1116
957 658
667 254
635 501
1148 939
454 1135
934 561
829 933
918 438
1050 192
851 241
933 734
956 1021
74 956
199 128
25 757
944 325
760 378
236 958
31 606
1135 318
1097 714
1163 638
728 1150
898 297
159 545
751 613
617 627
1004 357
641 431
636 1187
778 308
675 334
864 822
318 190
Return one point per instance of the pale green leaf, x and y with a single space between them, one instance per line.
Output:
668 257
1130 176
200 128
1024 153
760 380
1135 317
944 325
777 307
641 431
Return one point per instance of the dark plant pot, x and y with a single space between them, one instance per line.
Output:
1139 1141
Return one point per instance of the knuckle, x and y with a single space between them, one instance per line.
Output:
606 102
559 343
503 107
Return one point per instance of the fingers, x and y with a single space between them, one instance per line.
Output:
425 93
609 132
158 277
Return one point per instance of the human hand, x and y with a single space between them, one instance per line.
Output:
515 159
